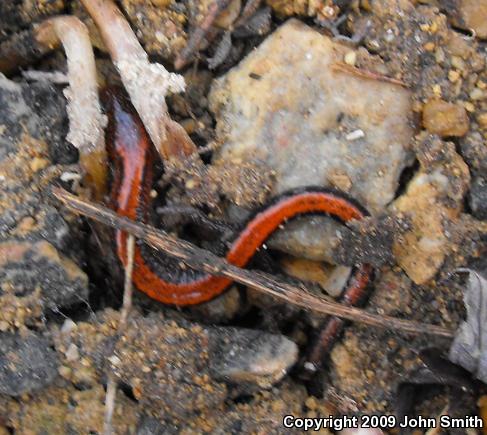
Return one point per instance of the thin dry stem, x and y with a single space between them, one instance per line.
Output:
124 315
200 32
127 294
366 74
110 404
201 259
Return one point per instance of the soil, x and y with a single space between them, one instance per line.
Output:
61 284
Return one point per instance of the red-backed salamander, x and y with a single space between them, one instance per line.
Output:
162 277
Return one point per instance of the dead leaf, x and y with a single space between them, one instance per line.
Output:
469 347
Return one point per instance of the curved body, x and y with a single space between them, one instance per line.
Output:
133 155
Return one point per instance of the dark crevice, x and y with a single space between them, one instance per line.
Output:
461 31
128 391
406 176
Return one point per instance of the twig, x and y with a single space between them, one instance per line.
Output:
127 294
147 83
127 305
248 10
201 259
109 404
200 32
366 74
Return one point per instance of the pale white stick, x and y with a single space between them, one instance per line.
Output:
86 120
127 305
146 83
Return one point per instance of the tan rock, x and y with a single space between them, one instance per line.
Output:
445 119
288 8
471 15
331 279
421 251
482 119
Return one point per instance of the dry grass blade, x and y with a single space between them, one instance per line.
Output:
200 32
201 259
366 74
127 305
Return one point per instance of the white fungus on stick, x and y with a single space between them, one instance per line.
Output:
146 83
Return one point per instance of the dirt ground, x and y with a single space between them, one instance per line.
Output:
235 364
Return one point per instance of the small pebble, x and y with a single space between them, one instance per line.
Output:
114 360
453 75
68 326
355 135
477 94
482 119
72 354
445 119
351 58
251 359
64 371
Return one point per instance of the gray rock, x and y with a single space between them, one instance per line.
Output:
477 198
151 426
26 363
288 106
253 359
38 109
26 267
313 237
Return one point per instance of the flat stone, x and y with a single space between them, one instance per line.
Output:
251 358
26 363
311 237
288 106
175 368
